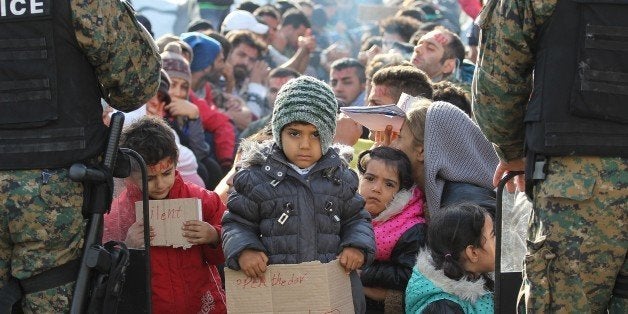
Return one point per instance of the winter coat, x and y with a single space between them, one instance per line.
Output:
404 211
219 124
183 280
460 192
431 291
323 212
294 218
394 272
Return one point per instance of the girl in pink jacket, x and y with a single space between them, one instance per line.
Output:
396 207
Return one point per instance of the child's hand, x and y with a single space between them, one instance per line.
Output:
135 235
182 108
199 232
253 263
351 258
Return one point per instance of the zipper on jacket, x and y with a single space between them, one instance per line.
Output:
329 208
286 213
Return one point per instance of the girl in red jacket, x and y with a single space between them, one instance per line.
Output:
183 280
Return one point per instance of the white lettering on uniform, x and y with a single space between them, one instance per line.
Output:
13 7
35 4
3 8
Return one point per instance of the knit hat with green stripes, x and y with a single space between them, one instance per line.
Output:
306 99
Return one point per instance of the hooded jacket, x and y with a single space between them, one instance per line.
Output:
294 218
431 291
324 212
405 212
455 151
217 123
183 280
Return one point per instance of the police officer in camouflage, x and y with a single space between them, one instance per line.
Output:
550 91
57 60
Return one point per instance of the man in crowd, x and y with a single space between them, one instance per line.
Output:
389 83
51 118
348 81
567 128
276 79
440 54
294 24
249 72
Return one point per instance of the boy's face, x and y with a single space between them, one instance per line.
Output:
161 178
301 144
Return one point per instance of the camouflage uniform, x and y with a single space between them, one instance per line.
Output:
41 225
577 237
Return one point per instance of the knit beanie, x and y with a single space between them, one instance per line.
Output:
174 63
205 48
308 100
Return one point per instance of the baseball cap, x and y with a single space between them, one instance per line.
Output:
243 20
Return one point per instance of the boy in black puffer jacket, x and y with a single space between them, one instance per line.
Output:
295 201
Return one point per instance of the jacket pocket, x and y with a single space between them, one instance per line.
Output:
562 183
601 84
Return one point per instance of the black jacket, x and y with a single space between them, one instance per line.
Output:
324 211
460 192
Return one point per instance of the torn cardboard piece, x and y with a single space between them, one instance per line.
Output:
311 287
167 218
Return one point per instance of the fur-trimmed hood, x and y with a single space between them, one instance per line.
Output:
464 289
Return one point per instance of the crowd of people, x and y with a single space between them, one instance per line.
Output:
254 100
254 92
246 117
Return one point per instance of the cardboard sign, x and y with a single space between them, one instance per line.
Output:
310 287
167 218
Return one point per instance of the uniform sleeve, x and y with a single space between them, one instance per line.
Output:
240 224
123 54
502 81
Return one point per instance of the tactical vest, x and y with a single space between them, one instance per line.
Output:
579 104
50 112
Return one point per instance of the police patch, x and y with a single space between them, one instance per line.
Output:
23 9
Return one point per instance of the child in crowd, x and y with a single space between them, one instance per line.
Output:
396 206
295 201
191 120
452 275
183 280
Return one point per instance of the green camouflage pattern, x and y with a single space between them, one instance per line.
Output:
502 81
620 304
41 227
125 57
578 235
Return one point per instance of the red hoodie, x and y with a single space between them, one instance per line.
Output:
218 123
183 281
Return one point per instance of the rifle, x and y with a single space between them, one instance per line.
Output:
102 270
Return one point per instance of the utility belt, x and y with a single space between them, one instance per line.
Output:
536 164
